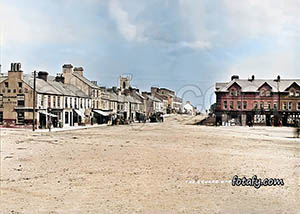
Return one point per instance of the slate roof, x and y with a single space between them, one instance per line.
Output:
53 87
85 80
254 85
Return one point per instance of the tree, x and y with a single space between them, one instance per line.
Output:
212 109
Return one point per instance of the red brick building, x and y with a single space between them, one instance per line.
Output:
258 101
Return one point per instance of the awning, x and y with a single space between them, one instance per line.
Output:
103 113
48 114
80 113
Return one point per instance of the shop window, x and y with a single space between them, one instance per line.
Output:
20 117
66 117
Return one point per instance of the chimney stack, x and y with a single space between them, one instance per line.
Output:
15 71
234 77
78 70
43 75
60 78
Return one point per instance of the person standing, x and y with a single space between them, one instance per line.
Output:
49 124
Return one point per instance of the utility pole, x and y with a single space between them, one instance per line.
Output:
34 100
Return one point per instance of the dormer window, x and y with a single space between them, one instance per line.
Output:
238 93
297 94
262 93
268 93
232 92
292 93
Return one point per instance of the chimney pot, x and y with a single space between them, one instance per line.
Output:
234 77
43 75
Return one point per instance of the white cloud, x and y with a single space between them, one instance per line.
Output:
196 45
120 16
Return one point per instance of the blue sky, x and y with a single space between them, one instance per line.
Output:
185 45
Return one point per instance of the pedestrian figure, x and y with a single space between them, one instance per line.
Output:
49 124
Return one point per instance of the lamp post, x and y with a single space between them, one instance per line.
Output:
34 100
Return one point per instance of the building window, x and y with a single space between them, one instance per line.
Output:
81 103
1 117
66 117
232 92
20 91
49 101
20 117
54 101
42 100
269 105
20 84
298 106
275 105
76 105
245 105
3 90
290 105
15 90
71 102
21 100
297 94
239 105
8 90
238 93
6 84
231 104
292 93
97 104
262 93
268 93
66 102
261 106
1 100
284 106
255 105
58 101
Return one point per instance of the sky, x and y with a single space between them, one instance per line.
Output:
184 45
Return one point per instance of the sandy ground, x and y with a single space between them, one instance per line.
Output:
144 169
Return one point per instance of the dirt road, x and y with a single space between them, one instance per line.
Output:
147 169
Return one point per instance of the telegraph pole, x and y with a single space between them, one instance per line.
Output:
34 94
